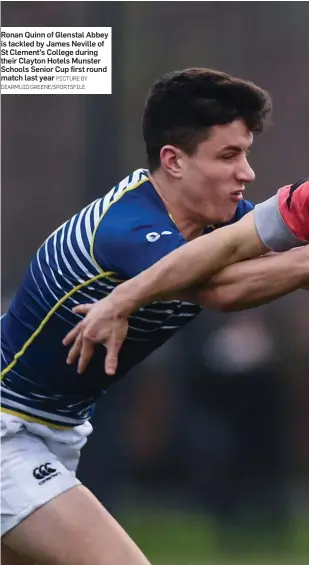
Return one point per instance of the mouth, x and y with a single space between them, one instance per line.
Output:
237 195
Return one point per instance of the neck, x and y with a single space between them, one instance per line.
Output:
178 206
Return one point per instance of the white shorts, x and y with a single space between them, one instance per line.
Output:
37 464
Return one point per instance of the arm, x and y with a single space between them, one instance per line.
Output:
192 264
244 285
252 283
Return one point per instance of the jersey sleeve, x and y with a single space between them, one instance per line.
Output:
282 221
129 245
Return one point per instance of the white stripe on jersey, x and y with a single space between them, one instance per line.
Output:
88 229
80 239
73 299
74 255
67 264
156 311
47 286
96 211
40 413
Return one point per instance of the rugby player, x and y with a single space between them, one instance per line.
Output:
198 127
278 224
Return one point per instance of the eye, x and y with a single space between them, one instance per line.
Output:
228 156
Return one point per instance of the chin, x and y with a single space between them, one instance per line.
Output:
226 216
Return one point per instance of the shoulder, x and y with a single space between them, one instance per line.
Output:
132 209
124 191
134 230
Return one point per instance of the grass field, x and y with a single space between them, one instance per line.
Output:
170 539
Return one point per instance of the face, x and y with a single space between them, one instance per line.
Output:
212 180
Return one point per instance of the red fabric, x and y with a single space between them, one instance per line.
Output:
297 216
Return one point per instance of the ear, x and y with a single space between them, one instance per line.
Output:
172 160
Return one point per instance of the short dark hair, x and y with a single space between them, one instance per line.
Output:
183 105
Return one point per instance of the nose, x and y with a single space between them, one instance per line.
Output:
245 173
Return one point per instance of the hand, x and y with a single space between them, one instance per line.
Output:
103 324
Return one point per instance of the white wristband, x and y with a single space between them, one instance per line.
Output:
272 229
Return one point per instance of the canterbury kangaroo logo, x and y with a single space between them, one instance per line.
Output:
43 471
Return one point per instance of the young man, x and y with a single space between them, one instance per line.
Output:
198 127
278 224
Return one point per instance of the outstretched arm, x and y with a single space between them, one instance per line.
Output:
240 286
193 264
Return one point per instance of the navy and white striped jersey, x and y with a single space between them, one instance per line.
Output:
112 239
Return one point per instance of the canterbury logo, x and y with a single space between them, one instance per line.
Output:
43 471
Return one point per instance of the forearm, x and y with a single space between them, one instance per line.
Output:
196 261
255 282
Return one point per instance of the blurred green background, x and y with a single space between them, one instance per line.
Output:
169 539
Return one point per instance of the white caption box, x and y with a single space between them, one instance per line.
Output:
62 60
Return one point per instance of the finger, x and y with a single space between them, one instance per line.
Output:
86 352
82 308
75 349
71 336
112 351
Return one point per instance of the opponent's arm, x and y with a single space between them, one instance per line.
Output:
249 284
